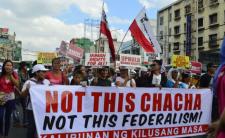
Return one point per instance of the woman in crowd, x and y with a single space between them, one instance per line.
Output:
56 76
76 79
173 77
103 78
8 81
124 80
80 69
185 80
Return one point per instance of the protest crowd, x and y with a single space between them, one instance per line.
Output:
14 86
100 99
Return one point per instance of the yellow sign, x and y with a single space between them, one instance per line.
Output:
46 57
180 61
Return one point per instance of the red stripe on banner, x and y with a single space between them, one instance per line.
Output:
135 133
140 37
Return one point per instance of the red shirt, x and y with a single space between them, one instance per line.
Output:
55 80
6 85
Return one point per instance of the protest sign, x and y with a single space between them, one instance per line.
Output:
97 59
112 112
180 61
71 50
130 60
196 67
75 52
46 57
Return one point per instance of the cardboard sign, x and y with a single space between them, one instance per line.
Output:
180 61
97 59
112 112
130 60
71 50
46 57
196 67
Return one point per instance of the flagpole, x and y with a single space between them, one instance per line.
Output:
99 37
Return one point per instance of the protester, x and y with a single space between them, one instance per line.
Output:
157 79
38 78
142 80
112 75
76 79
173 77
23 77
56 76
219 95
186 81
103 78
8 81
124 80
81 70
206 80
68 71
30 70
90 76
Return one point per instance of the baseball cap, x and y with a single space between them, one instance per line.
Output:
39 67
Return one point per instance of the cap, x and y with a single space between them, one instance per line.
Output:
39 67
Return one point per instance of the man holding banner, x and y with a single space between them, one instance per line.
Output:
38 71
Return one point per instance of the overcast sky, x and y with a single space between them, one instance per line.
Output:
42 24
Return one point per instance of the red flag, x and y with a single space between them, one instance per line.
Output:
141 31
105 30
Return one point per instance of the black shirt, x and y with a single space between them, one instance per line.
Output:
205 81
142 82
103 82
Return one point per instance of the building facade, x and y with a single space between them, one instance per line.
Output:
194 28
10 48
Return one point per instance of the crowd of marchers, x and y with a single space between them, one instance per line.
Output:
14 85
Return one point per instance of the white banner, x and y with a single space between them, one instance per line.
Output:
112 112
97 59
130 60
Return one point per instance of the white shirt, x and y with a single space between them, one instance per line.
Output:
156 80
121 80
44 82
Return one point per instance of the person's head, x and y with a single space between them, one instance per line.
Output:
186 77
156 65
104 72
39 71
70 68
143 72
111 72
175 74
124 72
23 65
56 64
77 78
211 68
81 69
7 67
